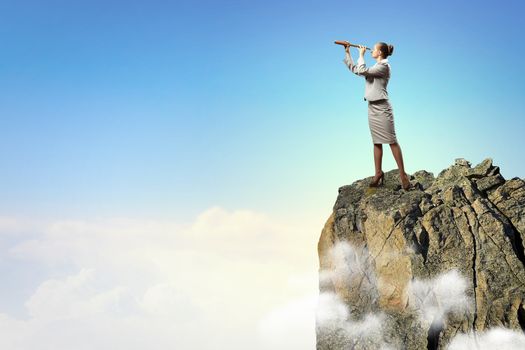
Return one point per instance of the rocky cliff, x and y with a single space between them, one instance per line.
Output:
416 269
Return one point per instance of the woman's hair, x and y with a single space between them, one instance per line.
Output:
386 49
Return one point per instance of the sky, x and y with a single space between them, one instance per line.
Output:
170 165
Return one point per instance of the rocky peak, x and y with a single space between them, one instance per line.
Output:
417 269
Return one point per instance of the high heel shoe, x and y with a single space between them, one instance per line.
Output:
405 182
378 182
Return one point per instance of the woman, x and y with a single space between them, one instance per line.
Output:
380 113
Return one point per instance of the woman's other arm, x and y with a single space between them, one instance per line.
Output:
378 70
349 62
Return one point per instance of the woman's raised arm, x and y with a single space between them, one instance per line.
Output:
349 62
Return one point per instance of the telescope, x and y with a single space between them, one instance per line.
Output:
346 43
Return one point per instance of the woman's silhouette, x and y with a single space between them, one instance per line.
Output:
380 113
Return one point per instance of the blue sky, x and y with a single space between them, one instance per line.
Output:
151 133
164 108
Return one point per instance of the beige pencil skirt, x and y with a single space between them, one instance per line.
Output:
381 121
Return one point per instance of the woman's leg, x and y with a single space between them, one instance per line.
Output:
398 156
378 155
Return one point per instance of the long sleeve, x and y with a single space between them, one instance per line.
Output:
348 60
350 63
378 70
354 68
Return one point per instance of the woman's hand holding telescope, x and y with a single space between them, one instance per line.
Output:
347 45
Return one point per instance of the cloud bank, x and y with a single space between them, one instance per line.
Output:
221 281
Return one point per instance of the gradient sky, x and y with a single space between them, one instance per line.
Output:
181 111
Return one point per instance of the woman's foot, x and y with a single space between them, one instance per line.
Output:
378 180
405 181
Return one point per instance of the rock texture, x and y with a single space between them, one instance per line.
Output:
468 220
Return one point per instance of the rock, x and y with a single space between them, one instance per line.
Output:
482 169
489 182
415 268
462 162
424 178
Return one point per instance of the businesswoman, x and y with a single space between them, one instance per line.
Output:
380 113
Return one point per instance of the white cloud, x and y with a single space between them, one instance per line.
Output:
165 299
436 297
70 298
349 265
130 283
290 326
495 338
333 320
331 311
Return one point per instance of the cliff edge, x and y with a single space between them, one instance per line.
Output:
415 269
